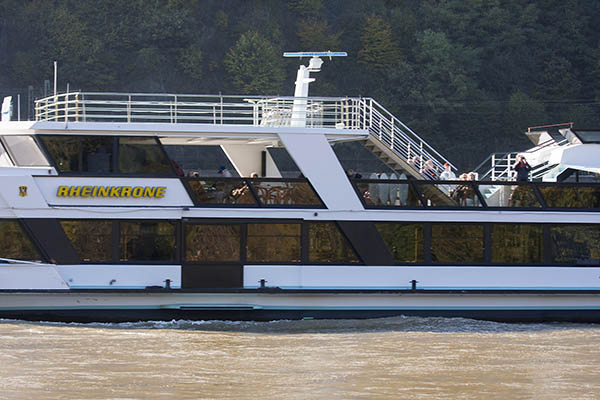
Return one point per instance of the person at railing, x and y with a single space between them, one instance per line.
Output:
429 170
522 167
448 174
353 175
224 172
460 193
415 162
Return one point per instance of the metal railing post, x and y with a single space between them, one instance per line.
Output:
175 111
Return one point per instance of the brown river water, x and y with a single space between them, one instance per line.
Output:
394 358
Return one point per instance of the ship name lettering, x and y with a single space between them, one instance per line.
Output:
157 192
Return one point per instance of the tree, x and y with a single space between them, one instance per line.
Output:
378 50
255 65
315 35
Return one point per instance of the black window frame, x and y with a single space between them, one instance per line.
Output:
115 158
115 240
249 182
415 185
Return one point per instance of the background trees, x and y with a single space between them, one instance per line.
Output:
468 75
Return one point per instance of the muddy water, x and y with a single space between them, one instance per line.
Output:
408 358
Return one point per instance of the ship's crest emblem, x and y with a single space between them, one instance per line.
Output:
22 191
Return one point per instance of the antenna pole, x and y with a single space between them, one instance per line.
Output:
55 72
303 79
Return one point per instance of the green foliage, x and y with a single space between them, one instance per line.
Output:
316 35
306 7
255 65
190 61
378 50
467 75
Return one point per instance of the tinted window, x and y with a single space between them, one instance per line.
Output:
147 241
457 243
399 194
142 155
92 240
571 196
221 191
405 241
81 153
517 243
502 195
273 243
278 193
15 244
575 244
212 242
449 195
327 244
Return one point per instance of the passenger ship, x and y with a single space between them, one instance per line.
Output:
127 207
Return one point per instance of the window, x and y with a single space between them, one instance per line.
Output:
457 243
142 155
520 195
91 239
5 160
92 154
448 195
327 244
273 243
280 193
405 241
96 154
227 191
25 151
399 194
575 244
571 196
15 244
212 242
517 243
147 241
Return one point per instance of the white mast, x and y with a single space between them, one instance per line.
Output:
303 79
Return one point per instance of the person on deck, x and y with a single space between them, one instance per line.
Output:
448 174
522 167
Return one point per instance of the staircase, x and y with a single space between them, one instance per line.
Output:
395 143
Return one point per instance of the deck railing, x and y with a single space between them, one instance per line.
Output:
321 112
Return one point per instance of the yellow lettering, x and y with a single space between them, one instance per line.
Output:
75 191
103 191
125 191
160 192
137 191
149 191
114 191
63 191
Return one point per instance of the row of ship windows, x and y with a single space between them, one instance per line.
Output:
472 194
99 155
98 241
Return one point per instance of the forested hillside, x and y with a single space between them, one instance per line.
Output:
467 75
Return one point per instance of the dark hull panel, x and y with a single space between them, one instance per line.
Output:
125 315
